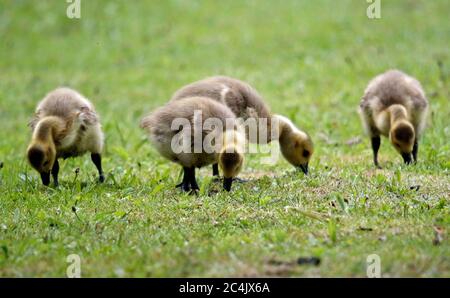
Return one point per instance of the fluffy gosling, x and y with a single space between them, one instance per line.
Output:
296 146
65 125
394 105
228 152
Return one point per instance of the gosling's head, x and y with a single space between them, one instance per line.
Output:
42 157
230 162
402 137
297 147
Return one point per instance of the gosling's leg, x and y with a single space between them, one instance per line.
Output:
215 172
97 160
376 141
415 150
186 183
193 181
55 171
215 169
45 177
227 183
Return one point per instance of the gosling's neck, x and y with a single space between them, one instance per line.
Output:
286 129
48 129
397 113
233 140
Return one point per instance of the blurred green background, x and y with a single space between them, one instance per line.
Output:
311 60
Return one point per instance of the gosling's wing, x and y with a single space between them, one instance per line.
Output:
88 116
34 121
367 102
419 102
418 96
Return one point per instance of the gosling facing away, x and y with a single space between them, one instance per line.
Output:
65 125
223 145
296 146
394 105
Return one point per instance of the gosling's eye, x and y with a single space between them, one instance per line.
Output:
45 163
305 153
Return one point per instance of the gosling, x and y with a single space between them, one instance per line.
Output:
182 132
296 145
394 105
65 125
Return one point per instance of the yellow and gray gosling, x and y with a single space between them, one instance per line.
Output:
65 125
229 154
296 145
394 105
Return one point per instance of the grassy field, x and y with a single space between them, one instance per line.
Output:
311 60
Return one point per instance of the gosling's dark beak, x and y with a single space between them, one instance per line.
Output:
45 178
304 168
406 158
227 183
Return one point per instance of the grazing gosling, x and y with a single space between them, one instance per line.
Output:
394 105
296 146
65 125
224 146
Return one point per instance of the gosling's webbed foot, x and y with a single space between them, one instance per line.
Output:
194 188
194 185
193 192
184 186
240 180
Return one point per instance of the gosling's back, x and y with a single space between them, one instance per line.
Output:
239 96
64 103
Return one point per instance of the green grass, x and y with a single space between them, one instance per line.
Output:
311 60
